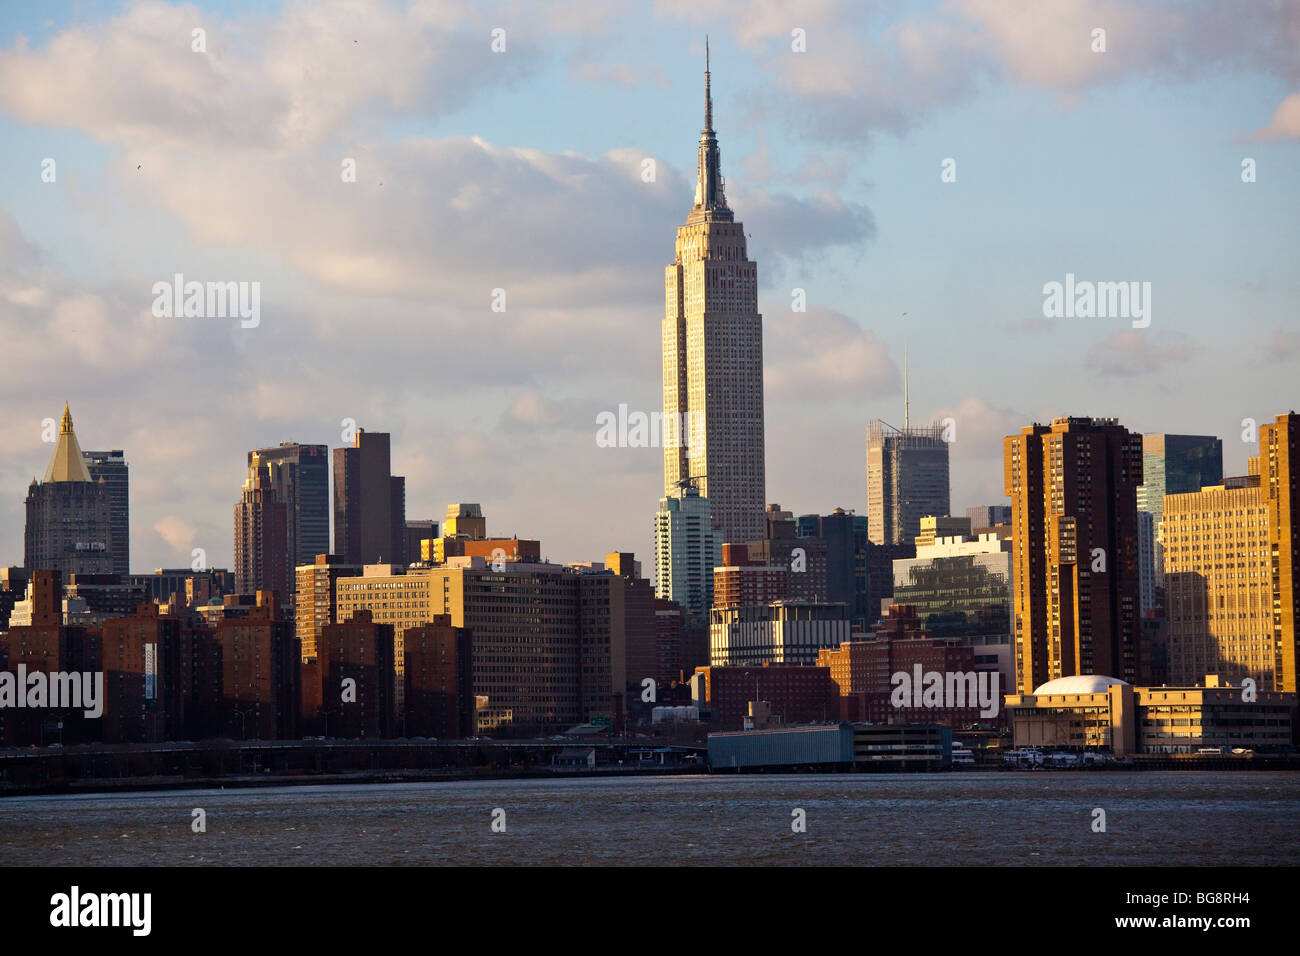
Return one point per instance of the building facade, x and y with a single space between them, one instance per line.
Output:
1174 465
261 540
687 549
1279 460
713 356
303 484
110 468
369 503
782 632
69 515
548 642
962 588
1102 713
315 598
1075 561
1219 584
907 479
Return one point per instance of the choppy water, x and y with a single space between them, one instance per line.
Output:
982 819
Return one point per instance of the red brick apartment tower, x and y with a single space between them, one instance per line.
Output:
1073 489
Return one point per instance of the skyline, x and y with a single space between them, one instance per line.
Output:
580 334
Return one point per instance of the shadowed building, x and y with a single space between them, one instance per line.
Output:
417 532
369 503
261 541
359 674
110 467
303 483
259 666
439 680
907 479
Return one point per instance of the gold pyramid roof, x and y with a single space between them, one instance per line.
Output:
67 464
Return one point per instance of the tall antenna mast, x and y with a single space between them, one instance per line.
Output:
907 398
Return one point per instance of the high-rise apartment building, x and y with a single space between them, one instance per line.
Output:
1073 489
439 681
315 601
687 548
713 355
257 657
369 503
548 642
907 479
110 469
1279 462
261 541
303 484
1219 584
371 657
69 514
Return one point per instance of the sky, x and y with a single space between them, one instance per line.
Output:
919 170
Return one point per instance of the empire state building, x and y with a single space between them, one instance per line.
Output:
713 356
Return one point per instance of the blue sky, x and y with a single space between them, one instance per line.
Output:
519 170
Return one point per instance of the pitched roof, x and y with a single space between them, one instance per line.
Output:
67 463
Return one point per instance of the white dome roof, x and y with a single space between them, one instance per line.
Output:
1079 684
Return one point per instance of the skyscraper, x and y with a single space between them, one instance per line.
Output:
687 548
1073 489
261 541
1279 462
303 483
110 467
69 515
713 355
369 503
1173 465
907 478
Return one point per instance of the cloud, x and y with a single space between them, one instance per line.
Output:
619 74
277 84
858 79
978 428
176 531
1285 123
823 355
1284 346
1132 352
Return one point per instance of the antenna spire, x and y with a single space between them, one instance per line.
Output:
907 399
708 93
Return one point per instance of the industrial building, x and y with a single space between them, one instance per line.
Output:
861 747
